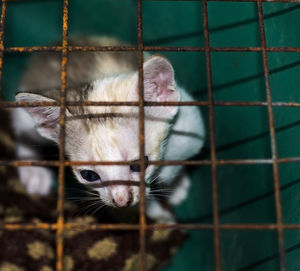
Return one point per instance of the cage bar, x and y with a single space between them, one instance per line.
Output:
17 163
146 48
2 26
269 1
273 139
5 104
62 122
212 140
97 226
284 1
142 209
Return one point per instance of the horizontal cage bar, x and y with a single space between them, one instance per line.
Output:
54 163
71 226
275 1
5 104
146 48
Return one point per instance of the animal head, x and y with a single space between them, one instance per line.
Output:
111 133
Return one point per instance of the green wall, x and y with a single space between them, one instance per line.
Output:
246 192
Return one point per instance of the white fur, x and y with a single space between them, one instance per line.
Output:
117 138
37 180
180 146
24 124
181 191
157 213
26 152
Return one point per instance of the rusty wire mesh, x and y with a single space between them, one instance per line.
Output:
60 225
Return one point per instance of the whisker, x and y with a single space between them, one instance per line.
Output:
91 192
99 208
161 195
162 191
156 198
158 182
90 206
82 198
154 179
82 190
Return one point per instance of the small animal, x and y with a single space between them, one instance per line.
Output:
108 133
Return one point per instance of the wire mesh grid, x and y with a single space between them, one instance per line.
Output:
60 226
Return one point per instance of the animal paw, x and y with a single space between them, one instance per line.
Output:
37 180
181 191
159 214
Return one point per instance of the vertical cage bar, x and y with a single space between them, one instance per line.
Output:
60 200
215 198
2 26
142 264
273 139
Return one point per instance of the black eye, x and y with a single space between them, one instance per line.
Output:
89 175
135 167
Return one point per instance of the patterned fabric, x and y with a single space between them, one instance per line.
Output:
22 250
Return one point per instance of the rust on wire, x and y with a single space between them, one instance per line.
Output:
284 1
77 226
288 160
212 137
278 205
2 27
32 49
61 175
269 1
142 239
203 162
102 48
5 104
146 48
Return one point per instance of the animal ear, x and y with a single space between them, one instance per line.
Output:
159 84
46 118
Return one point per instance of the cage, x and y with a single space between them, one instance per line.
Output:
240 59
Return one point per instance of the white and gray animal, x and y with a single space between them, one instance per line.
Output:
108 133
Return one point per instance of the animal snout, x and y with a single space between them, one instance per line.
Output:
121 196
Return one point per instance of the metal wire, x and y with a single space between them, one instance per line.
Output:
69 226
61 174
273 139
2 25
269 1
146 48
18 163
213 162
212 140
5 104
142 254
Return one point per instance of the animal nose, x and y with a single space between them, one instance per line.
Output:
120 202
121 198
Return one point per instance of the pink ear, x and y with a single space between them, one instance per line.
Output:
159 84
45 118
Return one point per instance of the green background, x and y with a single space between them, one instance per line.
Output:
246 193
